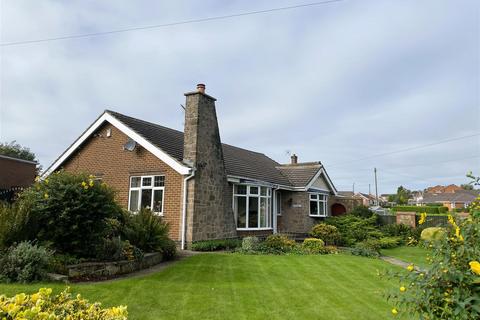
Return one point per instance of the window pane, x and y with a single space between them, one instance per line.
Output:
157 200
254 190
263 191
135 182
279 203
241 189
313 208
322 209
133 200
159 181
252 212
263 213
321 197
146 201
313 196
241 207
146 181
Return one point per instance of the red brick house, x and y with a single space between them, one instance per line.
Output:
203 188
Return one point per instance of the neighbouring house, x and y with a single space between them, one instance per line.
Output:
204 189
452 200
15 174
443 189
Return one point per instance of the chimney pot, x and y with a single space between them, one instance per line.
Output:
201 88
294 159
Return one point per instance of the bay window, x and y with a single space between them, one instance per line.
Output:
146 192
252 206
318 205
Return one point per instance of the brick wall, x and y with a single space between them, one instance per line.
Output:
14 173
104 157
295 216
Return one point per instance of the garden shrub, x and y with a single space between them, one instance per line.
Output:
214 245
278 243
71 212
433 234
397 230
169 249
365 249
15 224
44 305
383 243
450 287
328 233
313 245
59 262
355 229
145 230
250 243
361 211
24 262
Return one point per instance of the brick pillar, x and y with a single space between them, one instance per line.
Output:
407 218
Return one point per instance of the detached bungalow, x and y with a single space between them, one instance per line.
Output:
203 188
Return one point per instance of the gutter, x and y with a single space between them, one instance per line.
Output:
184 206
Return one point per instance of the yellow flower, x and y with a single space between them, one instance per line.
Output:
84 184
410 268
403 289
91 183
37 179
394 311
85 187
46 181
475 267
423 218
45 195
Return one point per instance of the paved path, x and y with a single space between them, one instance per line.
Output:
181 254
400 263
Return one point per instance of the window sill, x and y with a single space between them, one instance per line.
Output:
316 216
253 229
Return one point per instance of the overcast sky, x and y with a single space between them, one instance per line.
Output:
337 82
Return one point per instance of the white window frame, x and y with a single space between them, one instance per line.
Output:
248 195
321 199
278 204
151 187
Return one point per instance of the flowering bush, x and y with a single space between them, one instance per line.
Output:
42 305
71 212
450 287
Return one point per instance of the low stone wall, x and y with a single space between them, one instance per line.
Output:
111 269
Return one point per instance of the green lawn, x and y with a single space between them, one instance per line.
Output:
416 255
234 286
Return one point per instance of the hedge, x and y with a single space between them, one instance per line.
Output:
431 210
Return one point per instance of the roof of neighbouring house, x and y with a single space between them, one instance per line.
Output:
457 196
238 162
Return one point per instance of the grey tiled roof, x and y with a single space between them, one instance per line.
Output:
300 174
238 162
457 196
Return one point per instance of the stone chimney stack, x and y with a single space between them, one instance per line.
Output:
209 208
294 159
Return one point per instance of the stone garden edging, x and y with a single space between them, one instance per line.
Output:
111 269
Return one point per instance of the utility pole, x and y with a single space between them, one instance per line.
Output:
353 188
369 192
376 186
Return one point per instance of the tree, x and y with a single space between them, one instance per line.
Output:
466 186
15 150
402 196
